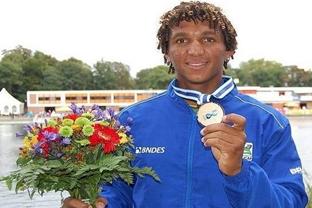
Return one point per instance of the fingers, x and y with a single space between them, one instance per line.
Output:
231 120
101 202
238 121
74 203
215 141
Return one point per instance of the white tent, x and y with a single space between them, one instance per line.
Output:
10 105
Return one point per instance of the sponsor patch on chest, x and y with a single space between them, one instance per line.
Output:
150 150
247 155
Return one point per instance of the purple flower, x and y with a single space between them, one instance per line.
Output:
37 148
19 134
117 124
76 109
95 107
50 135
111 112
66 141
27 128
98 113
82 109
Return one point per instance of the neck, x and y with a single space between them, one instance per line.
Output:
192 103
206 87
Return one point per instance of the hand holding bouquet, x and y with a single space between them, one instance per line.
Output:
76 153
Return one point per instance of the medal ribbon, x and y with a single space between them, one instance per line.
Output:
201 98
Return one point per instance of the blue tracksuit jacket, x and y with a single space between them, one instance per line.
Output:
167 138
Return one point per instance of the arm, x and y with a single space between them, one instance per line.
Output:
273 184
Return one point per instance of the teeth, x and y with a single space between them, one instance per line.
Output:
199 64
196 64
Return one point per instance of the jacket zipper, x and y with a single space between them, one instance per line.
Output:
189 175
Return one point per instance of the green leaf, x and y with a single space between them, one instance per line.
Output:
53 163
146 171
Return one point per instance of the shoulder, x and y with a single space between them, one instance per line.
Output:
265 113
143 106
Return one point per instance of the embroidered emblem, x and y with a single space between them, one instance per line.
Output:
247 155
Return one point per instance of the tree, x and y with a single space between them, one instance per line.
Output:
51 76
261 73
75 75
12 64
297 77
18 55
52 79
112 75
153 78
11 75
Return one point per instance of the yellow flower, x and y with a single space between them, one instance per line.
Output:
26 142
34 140
76 127
123 138
30 141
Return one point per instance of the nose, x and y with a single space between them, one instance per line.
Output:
195 48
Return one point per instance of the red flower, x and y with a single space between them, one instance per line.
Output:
106 136
72 116
45 137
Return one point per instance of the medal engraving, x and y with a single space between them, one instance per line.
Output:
210 113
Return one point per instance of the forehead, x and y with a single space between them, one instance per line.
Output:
194 28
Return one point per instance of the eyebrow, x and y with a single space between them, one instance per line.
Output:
183 34
210 32
179 34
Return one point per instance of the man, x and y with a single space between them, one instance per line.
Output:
210 145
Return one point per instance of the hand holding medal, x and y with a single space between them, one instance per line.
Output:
225 135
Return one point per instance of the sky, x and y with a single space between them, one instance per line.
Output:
125 30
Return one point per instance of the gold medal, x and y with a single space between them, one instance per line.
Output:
210 113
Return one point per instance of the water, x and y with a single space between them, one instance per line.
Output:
9 144
302 134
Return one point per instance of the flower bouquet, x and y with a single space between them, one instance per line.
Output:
76 153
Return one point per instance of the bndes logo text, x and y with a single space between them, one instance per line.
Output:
150 150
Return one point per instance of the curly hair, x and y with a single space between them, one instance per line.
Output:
195 11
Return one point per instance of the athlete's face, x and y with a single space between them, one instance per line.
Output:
197 53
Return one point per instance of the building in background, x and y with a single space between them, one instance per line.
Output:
58 101
285 99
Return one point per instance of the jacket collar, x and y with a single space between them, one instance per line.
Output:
227 86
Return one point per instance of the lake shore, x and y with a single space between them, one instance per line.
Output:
15 120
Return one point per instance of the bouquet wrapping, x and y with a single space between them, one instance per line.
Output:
76 153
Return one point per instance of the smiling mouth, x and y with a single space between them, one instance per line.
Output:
198 65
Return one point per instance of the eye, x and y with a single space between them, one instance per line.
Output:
181 40
209 40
